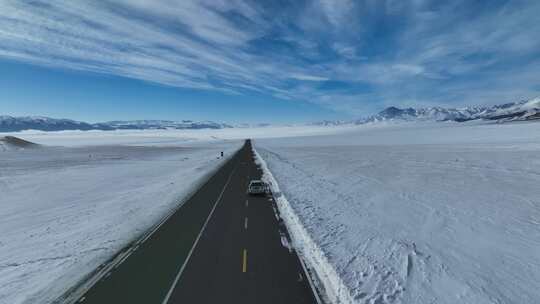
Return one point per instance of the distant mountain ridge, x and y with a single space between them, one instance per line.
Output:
14 124
165 124
514 111
522 110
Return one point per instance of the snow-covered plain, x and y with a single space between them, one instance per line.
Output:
64 211
169 137
69 205
415 213
395 213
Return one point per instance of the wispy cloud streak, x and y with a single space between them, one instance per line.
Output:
379 52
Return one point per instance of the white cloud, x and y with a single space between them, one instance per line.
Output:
197 44
412 69
336 11
347 51
308 77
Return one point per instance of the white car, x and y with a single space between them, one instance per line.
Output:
257 187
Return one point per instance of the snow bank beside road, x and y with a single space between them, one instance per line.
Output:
64 211
440 213
327 280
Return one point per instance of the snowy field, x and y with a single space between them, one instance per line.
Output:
391 213
416 213
71 204
168 137
64 211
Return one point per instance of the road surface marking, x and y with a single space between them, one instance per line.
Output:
244 264
127 255
196 240
247 203
245 223
306 273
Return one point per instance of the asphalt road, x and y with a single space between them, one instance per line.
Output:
221 246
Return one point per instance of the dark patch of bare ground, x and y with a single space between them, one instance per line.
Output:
18 142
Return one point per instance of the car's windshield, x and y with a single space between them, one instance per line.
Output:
256 184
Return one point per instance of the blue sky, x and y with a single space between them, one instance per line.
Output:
262 61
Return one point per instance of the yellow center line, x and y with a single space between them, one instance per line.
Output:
244 264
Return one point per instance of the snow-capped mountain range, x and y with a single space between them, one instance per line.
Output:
165 124
515 111
13 124
522 110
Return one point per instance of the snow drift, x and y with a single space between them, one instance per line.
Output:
415 213
65 211
323 273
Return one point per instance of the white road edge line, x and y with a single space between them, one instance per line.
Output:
304 267
177 278
309 279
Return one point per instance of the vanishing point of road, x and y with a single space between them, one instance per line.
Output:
220 246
